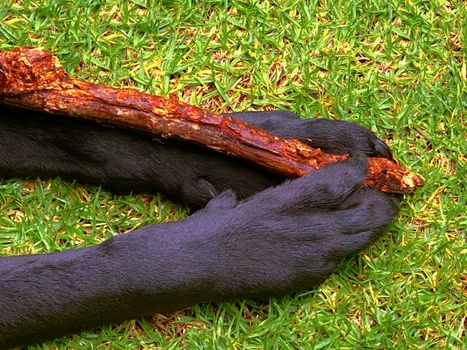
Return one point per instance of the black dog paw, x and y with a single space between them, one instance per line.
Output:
333 136
291 237
340 137
327 187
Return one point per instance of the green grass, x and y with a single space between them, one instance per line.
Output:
396 67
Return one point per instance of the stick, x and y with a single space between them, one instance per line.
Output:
34 79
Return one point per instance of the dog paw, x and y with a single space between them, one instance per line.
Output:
333 136
291 237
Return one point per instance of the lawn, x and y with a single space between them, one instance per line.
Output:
396 67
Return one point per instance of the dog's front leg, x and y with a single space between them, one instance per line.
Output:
282 240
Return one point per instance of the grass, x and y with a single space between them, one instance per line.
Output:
396 67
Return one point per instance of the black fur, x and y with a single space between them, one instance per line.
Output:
284 239
33 144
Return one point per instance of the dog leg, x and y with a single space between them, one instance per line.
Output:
282 240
